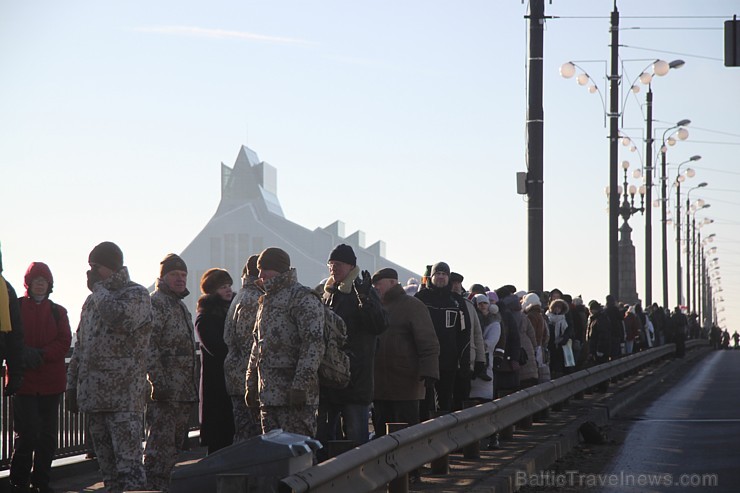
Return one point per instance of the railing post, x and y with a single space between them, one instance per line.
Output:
471 450
442 464
401 483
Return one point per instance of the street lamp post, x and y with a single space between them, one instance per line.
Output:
627 280
682 134
678 240
691 211
660 67
696 264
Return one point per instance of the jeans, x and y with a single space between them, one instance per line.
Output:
354 422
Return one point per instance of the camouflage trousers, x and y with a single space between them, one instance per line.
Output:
246 420
300 420
116 438
167 427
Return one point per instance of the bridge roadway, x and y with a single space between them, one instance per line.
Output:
688 437
531 449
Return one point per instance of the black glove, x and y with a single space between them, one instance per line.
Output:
92 278
429 382
32 357
479 371
14 383
296 397
70 400
364 286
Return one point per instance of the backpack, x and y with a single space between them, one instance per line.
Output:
334 370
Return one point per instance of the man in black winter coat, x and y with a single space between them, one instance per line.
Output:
452 326
350 295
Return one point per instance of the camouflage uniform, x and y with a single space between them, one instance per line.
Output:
107 372
287 350
172 373
238 337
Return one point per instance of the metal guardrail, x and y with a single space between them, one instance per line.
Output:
376 463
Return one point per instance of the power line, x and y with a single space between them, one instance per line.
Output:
673 53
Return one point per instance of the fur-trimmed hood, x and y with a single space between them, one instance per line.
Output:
563 306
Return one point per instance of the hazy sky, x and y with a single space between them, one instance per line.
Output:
403 119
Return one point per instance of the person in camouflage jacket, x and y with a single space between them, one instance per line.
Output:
238 338
171 371
107 372
288 346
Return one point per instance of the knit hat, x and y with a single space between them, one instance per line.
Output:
481 298
108 255
343 253
274 258
38 269
478 288
171 262
440 267
492 297
214 279
530 300
250 268
386 273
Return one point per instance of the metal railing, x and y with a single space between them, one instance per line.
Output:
373 465
72 437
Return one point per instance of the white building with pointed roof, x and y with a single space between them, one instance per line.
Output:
249 219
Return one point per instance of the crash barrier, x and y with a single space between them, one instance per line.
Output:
72 439
375 464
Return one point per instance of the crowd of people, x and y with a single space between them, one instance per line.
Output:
415 351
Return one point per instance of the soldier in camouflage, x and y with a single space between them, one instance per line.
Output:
171 371
107 374
238 338
288 346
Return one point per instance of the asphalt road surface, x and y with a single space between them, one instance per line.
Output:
686 440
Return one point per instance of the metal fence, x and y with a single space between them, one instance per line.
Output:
72 437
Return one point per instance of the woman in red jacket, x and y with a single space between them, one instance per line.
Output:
47 338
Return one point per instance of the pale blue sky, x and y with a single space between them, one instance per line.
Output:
402 119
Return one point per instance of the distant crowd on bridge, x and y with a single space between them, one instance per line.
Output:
325 361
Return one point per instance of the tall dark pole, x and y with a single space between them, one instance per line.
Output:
678 242
693 263
535 125
664 224
614 155
688 254
649 200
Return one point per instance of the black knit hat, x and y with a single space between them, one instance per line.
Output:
108 255
386 273
343 253
214 279
250 268
274 258
171 262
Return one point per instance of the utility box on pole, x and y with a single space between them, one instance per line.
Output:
732 42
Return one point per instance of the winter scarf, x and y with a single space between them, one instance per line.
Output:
344 286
